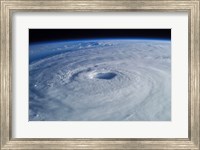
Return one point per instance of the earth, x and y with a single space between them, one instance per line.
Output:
100 80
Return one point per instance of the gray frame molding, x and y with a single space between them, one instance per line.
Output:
8 7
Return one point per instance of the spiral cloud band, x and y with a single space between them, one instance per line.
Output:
100 80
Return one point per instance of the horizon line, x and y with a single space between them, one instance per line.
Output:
95 39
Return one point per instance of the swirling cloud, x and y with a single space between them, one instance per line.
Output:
100 80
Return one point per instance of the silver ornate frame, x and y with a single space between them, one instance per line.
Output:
8 7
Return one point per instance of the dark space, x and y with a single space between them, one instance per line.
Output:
44 35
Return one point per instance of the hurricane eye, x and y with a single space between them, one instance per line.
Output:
106 76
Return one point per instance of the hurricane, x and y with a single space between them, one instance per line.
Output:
100 80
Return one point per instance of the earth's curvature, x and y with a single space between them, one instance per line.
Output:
100 80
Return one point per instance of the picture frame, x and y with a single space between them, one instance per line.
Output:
9 7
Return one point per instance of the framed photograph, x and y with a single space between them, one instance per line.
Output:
99 74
